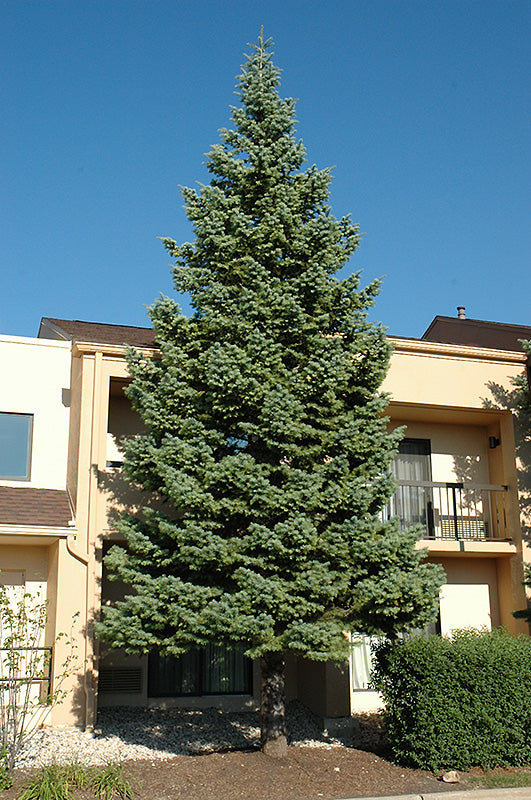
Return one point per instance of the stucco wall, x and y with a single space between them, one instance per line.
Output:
458 452
32 561
36 380
424 373
474 571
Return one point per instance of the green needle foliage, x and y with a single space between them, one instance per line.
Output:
523 417
263 418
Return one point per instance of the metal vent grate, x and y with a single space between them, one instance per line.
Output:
120 681
473 528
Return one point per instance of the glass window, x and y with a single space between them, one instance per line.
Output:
413 460
214 669
361 652
15 584
412 465
15 446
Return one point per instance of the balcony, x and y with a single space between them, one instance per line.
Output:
458 512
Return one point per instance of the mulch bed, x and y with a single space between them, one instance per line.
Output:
307 773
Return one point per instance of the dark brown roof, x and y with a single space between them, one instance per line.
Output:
477 333
98 332
27 506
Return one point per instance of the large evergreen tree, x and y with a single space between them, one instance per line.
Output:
264 427
522 413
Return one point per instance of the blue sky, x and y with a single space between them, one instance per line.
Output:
421 107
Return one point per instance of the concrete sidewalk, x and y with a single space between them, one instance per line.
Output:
467 794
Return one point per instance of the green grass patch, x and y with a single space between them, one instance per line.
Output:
56 781
76 774
50 784
497 779
111 782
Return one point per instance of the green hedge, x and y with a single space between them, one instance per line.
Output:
457 703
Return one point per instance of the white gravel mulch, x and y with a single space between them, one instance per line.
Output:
139 733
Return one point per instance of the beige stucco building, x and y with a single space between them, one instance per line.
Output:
37 524
457 472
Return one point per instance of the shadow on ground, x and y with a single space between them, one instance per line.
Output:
194 731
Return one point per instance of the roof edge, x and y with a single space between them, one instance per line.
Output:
467 351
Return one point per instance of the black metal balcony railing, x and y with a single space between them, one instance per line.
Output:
458 511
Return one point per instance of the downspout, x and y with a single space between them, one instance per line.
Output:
71 539
75 553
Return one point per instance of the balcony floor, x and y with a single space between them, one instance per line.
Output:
453 547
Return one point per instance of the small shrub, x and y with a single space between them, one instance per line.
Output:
76 774
110 782
5 778
50 784
24 665
457 703
55 781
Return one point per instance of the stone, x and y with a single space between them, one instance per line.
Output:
451 777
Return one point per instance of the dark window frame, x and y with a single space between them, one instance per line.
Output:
421 444
199 690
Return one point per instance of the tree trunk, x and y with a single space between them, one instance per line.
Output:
273 706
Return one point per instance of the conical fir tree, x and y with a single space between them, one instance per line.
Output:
263 426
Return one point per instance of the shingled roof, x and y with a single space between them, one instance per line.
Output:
97 332
477 333
28 506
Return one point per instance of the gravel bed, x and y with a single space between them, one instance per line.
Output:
139 733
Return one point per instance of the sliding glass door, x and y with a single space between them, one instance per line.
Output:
412 464
214 669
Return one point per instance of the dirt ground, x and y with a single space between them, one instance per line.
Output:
308 773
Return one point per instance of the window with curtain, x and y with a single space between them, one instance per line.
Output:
412 463
361 651
214 669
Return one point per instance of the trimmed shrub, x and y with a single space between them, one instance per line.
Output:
457 703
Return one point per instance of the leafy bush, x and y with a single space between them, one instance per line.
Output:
25 701
5 777
457 703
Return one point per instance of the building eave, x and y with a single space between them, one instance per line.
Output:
111 350
37 530
440 349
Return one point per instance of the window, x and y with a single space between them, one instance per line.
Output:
15 446
361 660
412 465
15 583
214 669
413 460
465 606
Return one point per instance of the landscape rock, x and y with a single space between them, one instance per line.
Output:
451 777
127 733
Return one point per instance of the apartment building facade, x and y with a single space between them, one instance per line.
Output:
457 478
37 523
